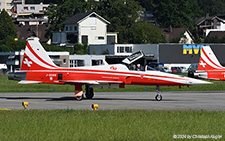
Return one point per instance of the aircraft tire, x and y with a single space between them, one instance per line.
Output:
79 98
158 97
89 93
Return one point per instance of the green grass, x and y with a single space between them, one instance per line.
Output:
13 86
108 125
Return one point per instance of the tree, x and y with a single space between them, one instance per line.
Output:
81 48
214 39
147 4
144 32
176 13
58 14
123 15
7 27
212 7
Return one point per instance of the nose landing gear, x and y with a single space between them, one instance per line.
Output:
158 96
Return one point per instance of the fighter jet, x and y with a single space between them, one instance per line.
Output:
37 67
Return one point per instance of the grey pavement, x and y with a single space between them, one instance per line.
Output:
205 100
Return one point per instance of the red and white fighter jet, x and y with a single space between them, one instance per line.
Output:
209 67
37 67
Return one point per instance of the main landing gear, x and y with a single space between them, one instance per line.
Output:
158 96
79 92
89 92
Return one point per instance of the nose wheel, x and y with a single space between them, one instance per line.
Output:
158 97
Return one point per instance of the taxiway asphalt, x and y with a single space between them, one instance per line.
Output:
180 100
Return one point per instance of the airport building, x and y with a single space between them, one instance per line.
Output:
115 53
164 53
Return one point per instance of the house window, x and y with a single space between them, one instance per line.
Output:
66 28
76 63
88 27
100 38
75 28
97 62
121 49
32 8
126 49
92 21
25 8
84 39
71 63
93 28
71 28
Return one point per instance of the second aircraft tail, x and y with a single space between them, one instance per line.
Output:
208 60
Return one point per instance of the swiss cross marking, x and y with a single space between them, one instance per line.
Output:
202 64
27 62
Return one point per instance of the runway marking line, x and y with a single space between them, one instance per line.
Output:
4 109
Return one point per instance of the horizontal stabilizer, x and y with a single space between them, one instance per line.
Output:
29 82
90 82
81 82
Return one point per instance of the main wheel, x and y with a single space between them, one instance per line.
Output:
89 92
158 97
79 98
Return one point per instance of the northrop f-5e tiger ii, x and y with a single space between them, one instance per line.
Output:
37 67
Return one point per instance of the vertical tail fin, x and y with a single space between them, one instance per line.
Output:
208 60
35 57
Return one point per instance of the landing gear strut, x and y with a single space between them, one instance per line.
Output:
78 92
89 92
158 97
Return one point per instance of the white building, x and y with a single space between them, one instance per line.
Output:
7 5
208 24
31 14
86 27
187 39
86 60
31 8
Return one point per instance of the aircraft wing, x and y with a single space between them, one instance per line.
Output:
29 82
91 82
